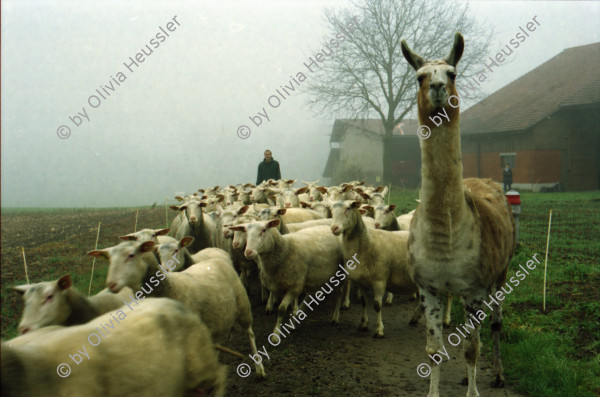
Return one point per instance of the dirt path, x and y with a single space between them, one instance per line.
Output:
324 360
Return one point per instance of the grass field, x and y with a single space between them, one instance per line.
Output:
545 353
552 353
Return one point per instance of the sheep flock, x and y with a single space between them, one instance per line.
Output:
179 293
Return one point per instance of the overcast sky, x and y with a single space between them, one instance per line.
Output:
170 124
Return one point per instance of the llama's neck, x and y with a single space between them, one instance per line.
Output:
441 171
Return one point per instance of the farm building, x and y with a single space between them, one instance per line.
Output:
357 152
545 125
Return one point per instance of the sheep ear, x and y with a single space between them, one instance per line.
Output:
355 204
362 211
187 240
203 204
243 210
238 228
368 207
411 57
174 207
301 190
304 205
201 190
273 223
146 246
322 189
99 253
21 289
281 211
161 232
220 197
393 207
128 237
347 188
178 198
64 282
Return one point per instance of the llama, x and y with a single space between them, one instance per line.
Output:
462 236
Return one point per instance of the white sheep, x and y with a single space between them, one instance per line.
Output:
58 303
211 288
178 252
381 256
195 224
159 348
293 263
156 235
288 215
321 207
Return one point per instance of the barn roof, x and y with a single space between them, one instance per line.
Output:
571 78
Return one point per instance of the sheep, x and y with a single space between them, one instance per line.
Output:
263 195
156 235
288 197
195 224
320 206
57 303
382 259
315 193
292 215
293 263
159 348
294 227
211 288
183 259
210 192
335 194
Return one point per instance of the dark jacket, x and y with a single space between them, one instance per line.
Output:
507 175
268 171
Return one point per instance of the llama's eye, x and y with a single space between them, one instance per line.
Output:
452 75
420 79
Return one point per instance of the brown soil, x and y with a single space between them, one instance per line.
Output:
315 359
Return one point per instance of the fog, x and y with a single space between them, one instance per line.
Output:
170 124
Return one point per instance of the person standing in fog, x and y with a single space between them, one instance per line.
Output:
268 168
507 178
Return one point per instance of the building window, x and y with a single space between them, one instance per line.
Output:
508 158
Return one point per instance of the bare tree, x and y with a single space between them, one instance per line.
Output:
367 74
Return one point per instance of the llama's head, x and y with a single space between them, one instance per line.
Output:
436 78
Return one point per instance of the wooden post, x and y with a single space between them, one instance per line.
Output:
546 261
94 260
25 264
136 218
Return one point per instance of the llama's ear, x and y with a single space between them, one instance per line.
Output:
456 51
413 59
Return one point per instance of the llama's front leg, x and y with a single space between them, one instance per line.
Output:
471 344
378 292
431 306
364 321
288 298
496 326
447 313
346 304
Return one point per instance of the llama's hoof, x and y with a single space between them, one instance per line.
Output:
363 327
413 323
446 325
498 382
387 303
377 335
345 307
335 322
